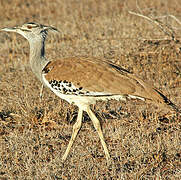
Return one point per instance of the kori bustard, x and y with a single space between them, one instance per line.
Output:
84 80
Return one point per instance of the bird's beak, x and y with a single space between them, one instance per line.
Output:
14 29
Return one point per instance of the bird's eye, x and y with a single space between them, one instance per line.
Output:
29 27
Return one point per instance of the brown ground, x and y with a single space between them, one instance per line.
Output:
144 143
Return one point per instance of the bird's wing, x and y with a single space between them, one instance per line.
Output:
94 75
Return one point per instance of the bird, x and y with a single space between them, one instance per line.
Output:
83 81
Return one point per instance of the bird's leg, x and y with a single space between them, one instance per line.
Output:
41 92
76 128
97 126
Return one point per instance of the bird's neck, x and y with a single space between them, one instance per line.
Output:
37 56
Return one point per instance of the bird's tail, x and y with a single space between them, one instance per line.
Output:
168 102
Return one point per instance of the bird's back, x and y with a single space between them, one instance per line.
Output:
95 77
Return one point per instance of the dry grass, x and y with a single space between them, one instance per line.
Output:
144 142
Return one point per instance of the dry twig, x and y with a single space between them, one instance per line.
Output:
164 27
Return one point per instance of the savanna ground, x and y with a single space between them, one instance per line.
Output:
144 141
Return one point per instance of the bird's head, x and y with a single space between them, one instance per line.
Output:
31 30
